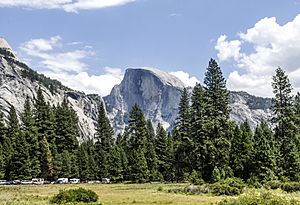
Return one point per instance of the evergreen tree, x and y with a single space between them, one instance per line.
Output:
44 119
182 133
46 159
150 153
161 146
2 163
286 131
264 156
217 126
3 129
67 130
30 133
20 163
198 132
83 162
240 154
104 141
115 168
13 126
137 134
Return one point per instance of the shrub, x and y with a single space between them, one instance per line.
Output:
224 189
273 185
290 186
160 188
75 195
265 198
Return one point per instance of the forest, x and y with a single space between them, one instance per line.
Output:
204 145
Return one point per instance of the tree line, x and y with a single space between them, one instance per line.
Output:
203 145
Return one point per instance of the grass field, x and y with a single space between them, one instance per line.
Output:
109 194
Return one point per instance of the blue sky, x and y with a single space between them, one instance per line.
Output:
88 44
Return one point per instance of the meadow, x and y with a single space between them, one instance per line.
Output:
109 194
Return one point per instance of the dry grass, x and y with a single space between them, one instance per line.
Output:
109 194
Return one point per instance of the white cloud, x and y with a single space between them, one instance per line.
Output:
90 84
54 60
69 66
66 5
269 45
188 80
227 49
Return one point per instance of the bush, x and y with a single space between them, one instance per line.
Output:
290 186
273 185
229 186
75 195
224 189
265 198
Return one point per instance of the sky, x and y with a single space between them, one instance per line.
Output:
88 44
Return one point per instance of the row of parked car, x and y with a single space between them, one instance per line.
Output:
40 181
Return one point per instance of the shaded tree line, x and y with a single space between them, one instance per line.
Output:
204 144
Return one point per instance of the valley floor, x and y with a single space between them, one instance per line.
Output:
109 194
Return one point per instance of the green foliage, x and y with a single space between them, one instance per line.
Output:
75 195
290 186
229 186
264 198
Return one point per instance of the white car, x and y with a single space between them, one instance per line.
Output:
3 182
26 182
105 180
74 181
38 181
62 181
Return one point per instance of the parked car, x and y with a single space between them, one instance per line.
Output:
3 182
38 181
26 182
62 181
16 182
74 181
105 180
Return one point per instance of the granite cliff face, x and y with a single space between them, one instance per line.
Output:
158 94
17 81
155 91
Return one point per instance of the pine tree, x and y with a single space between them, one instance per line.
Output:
30 133
13 126
2 163
115 168
3 129
161 146
264 157
104 141
182 133
67 130
20 163
286 131
240 154
137 134
198 132
83 162
44 119
217 126
46 159
150 154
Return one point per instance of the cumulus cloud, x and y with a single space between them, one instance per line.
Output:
69 67
268 46
90 84
228 49
66 5
189 81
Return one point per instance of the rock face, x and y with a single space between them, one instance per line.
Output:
155 91
17 81
158 94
